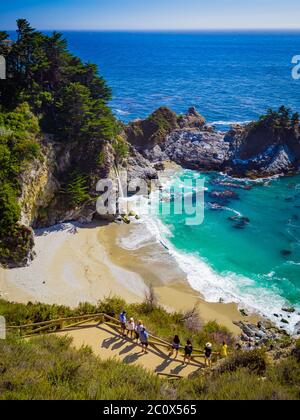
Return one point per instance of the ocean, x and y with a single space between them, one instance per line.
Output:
229 77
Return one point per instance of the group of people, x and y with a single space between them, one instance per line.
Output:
188 350
138 332
135 331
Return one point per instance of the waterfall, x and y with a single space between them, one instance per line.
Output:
121 204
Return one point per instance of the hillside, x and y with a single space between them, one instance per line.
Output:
66 373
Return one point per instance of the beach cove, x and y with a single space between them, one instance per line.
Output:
78 264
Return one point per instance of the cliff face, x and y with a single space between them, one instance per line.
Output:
39 186
264 151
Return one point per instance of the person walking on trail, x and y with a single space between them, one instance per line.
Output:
130 328
122 319
224 350
208 355
188 350
138 330
144 337
175 346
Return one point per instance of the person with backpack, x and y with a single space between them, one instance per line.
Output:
122 319
138 329
144 337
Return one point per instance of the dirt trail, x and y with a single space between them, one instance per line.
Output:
107 343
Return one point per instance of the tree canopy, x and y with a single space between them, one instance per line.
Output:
68 95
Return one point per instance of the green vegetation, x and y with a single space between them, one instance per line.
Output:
47 367
121 148
280 120
48 93
78 189
18 146
154 129
68 95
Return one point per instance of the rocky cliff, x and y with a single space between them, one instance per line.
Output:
268 147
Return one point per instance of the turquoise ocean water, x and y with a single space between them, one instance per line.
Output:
229 77
247 249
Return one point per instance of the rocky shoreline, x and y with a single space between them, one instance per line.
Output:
256 150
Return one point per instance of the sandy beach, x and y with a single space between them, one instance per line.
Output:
76 264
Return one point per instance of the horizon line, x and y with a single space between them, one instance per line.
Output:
288 29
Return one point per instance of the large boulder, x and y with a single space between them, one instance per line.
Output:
192 119
197 149
145 134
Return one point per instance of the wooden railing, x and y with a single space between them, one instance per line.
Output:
63 324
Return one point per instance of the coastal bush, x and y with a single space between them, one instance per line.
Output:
254 361
121 148
287 373
49 368
278 120
243 385
78 188
296 351
18 147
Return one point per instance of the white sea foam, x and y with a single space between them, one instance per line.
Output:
229 287
121 112
228 123
213 286
237 213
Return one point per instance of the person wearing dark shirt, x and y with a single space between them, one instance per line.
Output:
175 346
188 350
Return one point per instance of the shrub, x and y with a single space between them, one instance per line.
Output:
121 148
49 368
254 361
296 351
242 385
78 189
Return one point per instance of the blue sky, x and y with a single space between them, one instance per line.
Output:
151 14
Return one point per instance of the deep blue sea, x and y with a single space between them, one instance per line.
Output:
229 77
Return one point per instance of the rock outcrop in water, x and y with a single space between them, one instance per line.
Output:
260 149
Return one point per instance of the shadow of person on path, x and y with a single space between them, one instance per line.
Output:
178 369
109 342
131 358
163 365
159 352
127 349
119 344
